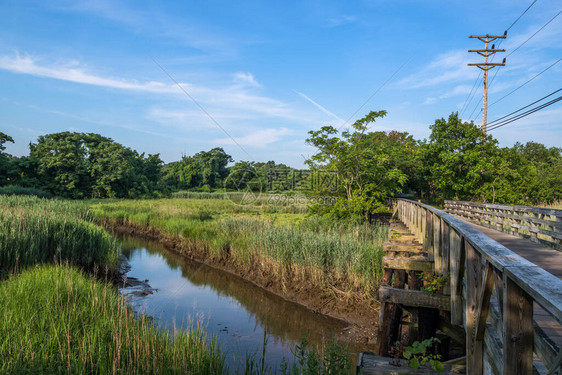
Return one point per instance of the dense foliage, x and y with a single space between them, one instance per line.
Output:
369 166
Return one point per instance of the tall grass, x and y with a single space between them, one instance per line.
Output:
55 320
289 245
556 204
34 230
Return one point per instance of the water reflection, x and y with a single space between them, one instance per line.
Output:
178 292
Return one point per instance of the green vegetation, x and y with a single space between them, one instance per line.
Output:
56 320
357 169
370 166
34 230
334 360
20 190
434 283
289 245
419 356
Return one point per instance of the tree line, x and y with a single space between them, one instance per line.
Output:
364 168
458 161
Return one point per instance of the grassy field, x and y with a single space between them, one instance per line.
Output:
59 318
56 320
278 238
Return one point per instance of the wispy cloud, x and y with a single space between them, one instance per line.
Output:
448 67
341 20
258 139
72 72
232 97
246 79
323 109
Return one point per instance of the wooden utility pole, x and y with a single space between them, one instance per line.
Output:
485 66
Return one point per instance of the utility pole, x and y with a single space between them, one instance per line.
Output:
485 66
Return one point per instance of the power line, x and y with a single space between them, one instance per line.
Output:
527 113
528 105
376 91
512 91
536 32
518 18
200 107
517 48
470 96
517 88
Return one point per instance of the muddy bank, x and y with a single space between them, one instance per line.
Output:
360 314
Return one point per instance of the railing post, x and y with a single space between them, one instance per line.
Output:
456 256
517 329
474 347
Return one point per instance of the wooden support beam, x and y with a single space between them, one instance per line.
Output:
408 264
484 305
517 329
457 333
404 248
455 246
444 247
406 240
437 244
414 298
474 347
389 319
545 347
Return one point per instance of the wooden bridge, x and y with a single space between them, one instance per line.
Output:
502 303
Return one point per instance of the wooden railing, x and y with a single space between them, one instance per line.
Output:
541 225
493 292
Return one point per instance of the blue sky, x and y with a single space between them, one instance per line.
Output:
266 71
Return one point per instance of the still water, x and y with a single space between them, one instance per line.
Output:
180 293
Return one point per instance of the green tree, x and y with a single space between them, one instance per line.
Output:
367 164
206 168
458 160
5 159
79 165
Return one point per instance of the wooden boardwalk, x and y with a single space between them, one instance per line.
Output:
503 298
544 257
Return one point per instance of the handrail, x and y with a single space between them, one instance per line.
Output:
477 264
538 224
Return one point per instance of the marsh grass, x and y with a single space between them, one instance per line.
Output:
34 230
292 246
56 320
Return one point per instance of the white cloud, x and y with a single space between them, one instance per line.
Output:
258 139
341 20
70 71
430 100
246 79
446 68
233 101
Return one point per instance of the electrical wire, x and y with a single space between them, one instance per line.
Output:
525 114
512 91
512 52
522 108
470 96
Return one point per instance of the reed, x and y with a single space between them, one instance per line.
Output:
56 320
290 245
34 230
